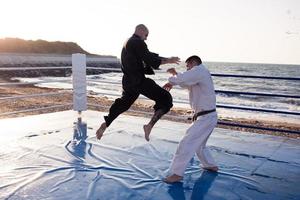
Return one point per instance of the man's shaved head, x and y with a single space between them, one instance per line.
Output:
142 31
141 27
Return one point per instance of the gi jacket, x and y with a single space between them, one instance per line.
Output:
200 85
137 61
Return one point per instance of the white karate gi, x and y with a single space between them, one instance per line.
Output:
202 97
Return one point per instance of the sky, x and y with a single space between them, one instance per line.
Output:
252 31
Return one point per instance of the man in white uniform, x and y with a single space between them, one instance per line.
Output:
198 81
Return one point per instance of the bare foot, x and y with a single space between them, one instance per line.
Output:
212 169
101 130
147 130
172 179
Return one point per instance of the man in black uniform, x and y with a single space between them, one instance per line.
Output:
137 61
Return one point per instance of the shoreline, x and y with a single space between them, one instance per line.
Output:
66 97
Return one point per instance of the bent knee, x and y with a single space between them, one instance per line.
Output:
169 102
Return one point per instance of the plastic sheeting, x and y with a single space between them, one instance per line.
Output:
38 160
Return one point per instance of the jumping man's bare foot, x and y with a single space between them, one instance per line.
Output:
212 169
172 179
147 130
101 130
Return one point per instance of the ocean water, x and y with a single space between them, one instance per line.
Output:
112 87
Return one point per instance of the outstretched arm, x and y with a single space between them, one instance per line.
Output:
186 78
171 60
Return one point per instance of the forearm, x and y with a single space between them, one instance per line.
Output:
180 84
174 60
187 78
173 80
164 60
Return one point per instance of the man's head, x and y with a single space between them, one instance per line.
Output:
193 61
142 31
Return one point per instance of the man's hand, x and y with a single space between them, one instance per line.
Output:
168 86
172 71
174 60
171 60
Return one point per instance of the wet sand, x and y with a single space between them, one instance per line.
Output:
66 97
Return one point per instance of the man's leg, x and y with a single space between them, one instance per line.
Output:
203 153
148 127
163 103
206 159
119 106
194 138
185 151
100 131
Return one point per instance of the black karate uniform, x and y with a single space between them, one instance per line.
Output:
137 61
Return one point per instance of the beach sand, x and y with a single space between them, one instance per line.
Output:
66 97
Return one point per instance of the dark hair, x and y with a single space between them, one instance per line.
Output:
195 58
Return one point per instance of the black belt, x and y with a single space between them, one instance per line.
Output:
196 115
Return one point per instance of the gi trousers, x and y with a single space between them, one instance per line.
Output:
163 99
194 141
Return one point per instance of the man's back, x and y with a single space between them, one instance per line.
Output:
131 61
134 54
132 65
